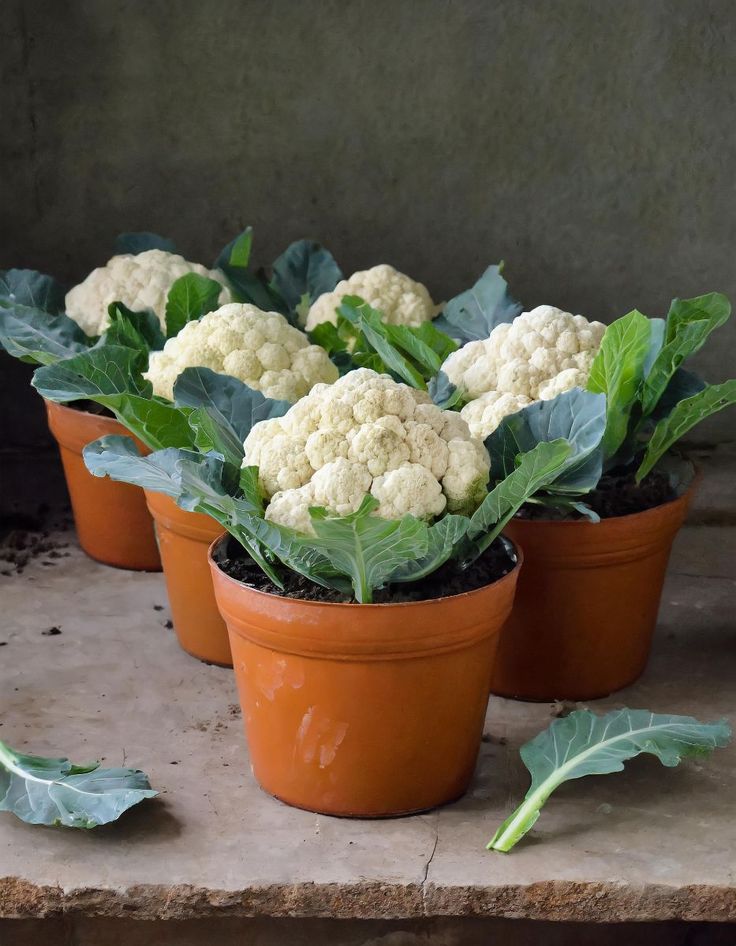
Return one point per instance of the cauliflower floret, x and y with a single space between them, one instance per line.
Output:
409 490
466 480
486 412
367 433
280 457
564 381
400 300
539 355
259 348
291 508
340 486
519 357
139 281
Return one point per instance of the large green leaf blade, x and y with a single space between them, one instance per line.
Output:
111 376
234 262
474 314
37 336
535 469
141 330
303 272
190 297
443 540
366 548
683 417
367 323
577 416
56 792
689 323
30 288
119 458
618 372
586 744
225 409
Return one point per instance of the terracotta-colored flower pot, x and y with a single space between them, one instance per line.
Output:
113 524
587 604
184 539
363 709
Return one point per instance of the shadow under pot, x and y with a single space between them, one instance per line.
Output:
184 539
363 710
112 520
587 603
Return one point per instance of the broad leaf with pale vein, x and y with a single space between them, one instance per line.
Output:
366 548
586 744
57 792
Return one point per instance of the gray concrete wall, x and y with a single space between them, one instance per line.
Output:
590 143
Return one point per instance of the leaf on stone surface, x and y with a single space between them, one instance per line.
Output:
474 314
584 743
39 790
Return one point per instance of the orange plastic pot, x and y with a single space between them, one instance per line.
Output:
184 539
112 521
587 604
358 709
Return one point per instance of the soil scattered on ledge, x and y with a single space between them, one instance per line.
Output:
616 495
24 538
445 582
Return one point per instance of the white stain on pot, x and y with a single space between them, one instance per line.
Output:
270 677
318 738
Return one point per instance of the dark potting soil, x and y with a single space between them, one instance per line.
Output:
446 581
617 494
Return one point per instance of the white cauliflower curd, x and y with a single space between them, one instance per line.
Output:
259 348
140 281
539 355
366 433
400 300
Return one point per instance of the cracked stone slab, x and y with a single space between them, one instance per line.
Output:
646 844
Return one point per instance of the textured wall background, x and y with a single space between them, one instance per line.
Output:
590 143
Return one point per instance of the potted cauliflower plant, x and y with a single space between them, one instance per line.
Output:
137 378
362 580
42 324
597 539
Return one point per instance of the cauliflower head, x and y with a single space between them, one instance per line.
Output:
367 433
539 355
140 281
259 348
401 300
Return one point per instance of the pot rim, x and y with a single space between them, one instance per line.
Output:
684 497
511 575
